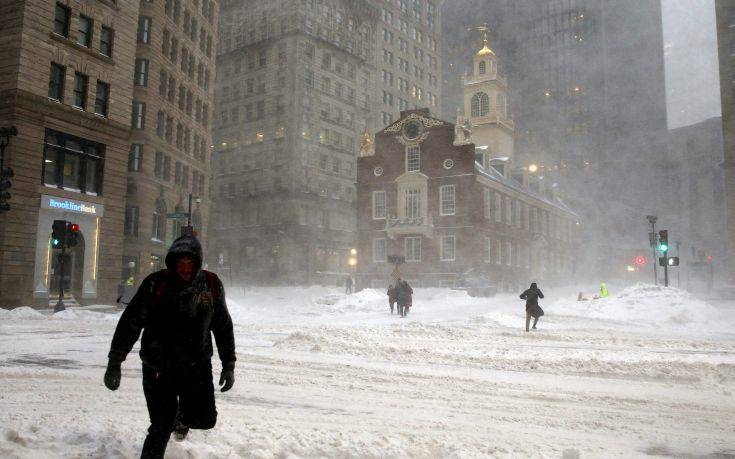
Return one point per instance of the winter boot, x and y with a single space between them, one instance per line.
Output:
181 430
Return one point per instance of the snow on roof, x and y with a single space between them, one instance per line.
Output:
509 182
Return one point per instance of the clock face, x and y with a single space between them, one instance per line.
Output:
412 130
448 164
378 171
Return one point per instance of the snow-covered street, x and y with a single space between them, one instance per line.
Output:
647 372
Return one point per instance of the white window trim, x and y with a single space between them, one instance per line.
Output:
385 204
405 249
385 250
442 190
443 256
418 149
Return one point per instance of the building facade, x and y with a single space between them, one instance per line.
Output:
424 195
588 92
299 84
171 121
725 10
66 85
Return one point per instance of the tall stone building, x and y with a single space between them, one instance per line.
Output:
66 84
169 157
726 49
589 102
299 85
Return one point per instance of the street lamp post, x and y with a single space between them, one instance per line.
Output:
652 239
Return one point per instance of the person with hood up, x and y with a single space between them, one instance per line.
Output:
178 309
603 290
404 296
532 296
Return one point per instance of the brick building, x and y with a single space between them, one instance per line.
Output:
299 82
169 157
424 194
66 83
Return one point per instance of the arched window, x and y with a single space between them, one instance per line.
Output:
501 105
159 221
480 104
483 68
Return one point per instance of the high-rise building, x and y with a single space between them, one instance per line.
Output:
66 84
726 49
589 102
171 121
299 84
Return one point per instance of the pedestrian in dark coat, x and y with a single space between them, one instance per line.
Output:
532 296
391 297
404 294
178 309
348 285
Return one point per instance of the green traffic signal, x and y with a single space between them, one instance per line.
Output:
663 248
55 242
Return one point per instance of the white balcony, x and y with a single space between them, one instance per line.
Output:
397 227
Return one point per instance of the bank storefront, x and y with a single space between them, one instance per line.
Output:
80 275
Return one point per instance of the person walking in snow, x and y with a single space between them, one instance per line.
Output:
348 285
404 296
391 297
178 309
603 290
532 296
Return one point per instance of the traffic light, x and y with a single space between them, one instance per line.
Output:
5 184
640 260
673 261
663 240
72 234
58 233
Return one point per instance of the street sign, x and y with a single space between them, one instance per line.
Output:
177 215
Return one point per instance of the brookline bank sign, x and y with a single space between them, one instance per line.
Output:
70 205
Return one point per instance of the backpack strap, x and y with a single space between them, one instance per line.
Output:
161 286
212 281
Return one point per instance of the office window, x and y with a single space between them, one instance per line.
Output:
61 20
158 167
141 72
447 248
487 204
56 82
413 158
107 36
101 99
447 200
498 252
135 157
158 228
412 249
73 163
498 208
380 254
138 115
131 220
144 29
84 31
379 210
508 211
81 82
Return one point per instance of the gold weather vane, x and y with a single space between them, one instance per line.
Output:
485 29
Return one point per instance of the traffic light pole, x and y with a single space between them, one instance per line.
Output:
652 220
678 272
666 268
60 304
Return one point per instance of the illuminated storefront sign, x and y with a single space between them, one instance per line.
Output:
70 205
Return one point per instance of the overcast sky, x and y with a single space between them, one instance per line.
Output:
690 49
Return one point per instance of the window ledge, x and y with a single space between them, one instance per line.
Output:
111 4
89 51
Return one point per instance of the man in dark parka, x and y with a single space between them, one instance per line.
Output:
532 296
178 309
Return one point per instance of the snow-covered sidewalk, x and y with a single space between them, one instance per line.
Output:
650 371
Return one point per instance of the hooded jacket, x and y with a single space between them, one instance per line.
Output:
178 318
532 296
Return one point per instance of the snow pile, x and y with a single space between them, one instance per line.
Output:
643 305
22 313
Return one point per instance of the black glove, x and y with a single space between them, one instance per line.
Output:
112 376
227 378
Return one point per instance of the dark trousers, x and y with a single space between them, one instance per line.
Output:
187 392
392 304
528 320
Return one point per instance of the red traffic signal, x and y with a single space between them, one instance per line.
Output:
640 260
709 258
74 228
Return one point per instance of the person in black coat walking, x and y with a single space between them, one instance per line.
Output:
532 296
178 309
